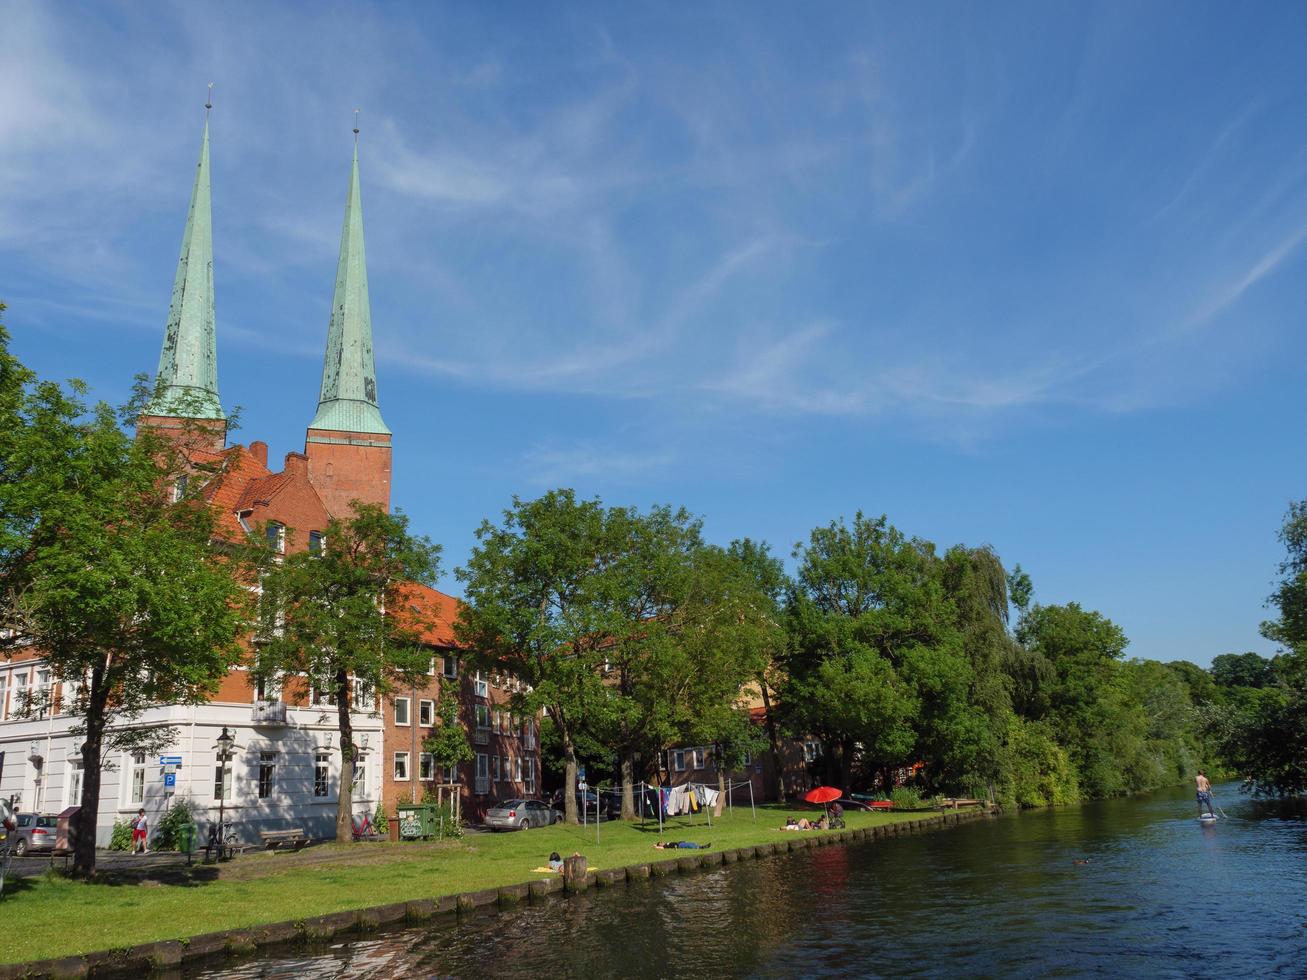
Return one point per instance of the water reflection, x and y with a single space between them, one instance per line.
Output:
1159 896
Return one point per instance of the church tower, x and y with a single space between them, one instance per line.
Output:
185 405
348 444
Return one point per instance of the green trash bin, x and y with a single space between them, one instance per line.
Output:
417 820
186 838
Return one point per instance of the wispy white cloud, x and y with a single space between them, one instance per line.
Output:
554 464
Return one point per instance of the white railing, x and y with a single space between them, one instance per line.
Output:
269 713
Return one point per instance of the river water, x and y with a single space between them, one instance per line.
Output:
1160 896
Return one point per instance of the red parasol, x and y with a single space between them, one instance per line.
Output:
823 794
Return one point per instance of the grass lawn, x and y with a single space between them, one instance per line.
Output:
78 917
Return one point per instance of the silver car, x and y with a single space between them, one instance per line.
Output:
519 815
34 832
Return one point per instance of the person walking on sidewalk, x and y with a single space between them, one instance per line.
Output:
141 832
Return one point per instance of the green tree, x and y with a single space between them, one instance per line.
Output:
1242 670
116 583
537 605
448 743
876 664
341 617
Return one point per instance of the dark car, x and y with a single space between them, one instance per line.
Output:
519 815
588 800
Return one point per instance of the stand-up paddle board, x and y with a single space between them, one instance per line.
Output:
1207 818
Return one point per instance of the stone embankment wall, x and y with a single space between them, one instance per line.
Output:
136 961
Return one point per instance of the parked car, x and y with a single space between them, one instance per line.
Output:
519 815
34 832
587 799
849 804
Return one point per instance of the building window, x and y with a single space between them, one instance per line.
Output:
426 767
276 534
748 759
401 711
499 773
73 790
321 773
267 765
179 486
426 713
138 778
678 760
360 780
431 671
315 542
482 716
267 688
479 686
529 785
483 773
222 781
364 694
811 751
43 694
517 769
451 774
451 667
696 756
401 767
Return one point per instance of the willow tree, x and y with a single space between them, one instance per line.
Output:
342 616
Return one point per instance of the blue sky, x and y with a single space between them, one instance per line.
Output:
1026 275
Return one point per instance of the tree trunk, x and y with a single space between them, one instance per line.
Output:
628 785
846 765
92 751
345 798
569 772
887 776
721 792
777 788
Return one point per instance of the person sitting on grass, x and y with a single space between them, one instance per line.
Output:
555 862
684 845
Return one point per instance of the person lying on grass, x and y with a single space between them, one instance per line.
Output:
800 824
684 845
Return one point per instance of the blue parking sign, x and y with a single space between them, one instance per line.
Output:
169 780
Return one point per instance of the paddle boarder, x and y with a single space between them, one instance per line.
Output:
1205 805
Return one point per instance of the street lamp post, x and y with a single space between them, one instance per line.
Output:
223 750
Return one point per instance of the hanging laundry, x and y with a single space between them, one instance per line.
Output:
709 796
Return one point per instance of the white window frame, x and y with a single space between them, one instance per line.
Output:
135 769
678 760
321 774
498 771
426 713
517 769
407 712
360 783
226 772
268 762
279 541
480 712
402 759
480 686
363 695
318 538
426 767
449 667
697 759
74 770
529 784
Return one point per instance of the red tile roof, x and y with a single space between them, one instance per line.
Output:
436 610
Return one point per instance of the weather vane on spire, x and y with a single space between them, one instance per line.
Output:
356 126
208 103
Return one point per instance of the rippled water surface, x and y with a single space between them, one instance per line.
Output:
1160 896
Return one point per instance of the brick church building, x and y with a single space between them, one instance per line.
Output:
287 759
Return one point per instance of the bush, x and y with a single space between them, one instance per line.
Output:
121 837
168 836
906 798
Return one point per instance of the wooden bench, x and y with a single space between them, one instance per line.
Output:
275 838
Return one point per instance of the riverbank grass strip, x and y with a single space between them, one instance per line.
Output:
78 918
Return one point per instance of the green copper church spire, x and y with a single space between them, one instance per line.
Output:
348 402
188 363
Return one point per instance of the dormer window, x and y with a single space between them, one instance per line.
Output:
276 537
179 487
315 542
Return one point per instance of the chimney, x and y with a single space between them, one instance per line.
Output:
297 465
259 450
